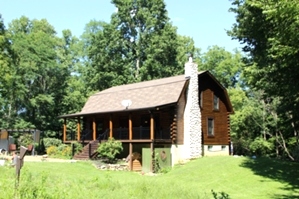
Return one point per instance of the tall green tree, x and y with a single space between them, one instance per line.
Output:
72 56
186 47
38 75
226 66
88 72
138 44
269 32
6 77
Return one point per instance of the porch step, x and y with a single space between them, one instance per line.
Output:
84 154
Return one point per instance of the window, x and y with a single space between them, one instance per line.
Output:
223 148
210 127
210 147
216 102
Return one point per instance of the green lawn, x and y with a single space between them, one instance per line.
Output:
238 177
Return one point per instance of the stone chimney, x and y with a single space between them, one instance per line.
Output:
192 114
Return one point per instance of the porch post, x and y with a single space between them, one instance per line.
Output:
152 127
130 138
94 128
110 126
130 127
152 141
78 129
64 130
131 152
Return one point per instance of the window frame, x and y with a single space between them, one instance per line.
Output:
213 127
215 102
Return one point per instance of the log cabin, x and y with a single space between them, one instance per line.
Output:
175 119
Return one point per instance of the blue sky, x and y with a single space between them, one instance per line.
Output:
206 21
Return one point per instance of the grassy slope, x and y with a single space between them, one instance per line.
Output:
238 177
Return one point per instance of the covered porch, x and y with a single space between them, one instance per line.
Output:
147 127
136 126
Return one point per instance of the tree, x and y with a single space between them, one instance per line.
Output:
186 47
139 44
37 76
89 74
5 61
226 66
268 30
72 57
269 33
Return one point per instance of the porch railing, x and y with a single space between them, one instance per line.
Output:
139 133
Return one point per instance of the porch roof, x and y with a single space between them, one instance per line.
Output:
143 95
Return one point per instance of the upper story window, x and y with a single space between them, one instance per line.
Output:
216 102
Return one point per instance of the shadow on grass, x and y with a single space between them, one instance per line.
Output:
283 171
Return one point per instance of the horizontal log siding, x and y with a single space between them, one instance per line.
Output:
221 133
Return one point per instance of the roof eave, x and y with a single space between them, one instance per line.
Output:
75 115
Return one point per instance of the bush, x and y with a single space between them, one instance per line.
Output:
261 147
78 147
65 151
62 151
222 195
52 150
26 139
108 150
51 142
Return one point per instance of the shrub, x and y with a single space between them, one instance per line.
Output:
108 150
51 142
261 147
78 147
52 150
65 151
26 139
62 151
222 195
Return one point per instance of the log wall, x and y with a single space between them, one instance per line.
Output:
221 116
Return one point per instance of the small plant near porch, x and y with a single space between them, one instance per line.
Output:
108 150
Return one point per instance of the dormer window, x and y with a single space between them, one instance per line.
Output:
216 102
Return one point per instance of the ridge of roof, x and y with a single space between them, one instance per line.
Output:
107 91
145 84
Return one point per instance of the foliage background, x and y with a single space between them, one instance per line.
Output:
44 75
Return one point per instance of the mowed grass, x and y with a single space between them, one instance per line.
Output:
238 177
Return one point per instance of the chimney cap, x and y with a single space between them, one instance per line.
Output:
190 58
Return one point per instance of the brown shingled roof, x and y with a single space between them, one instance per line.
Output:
143 95
147 94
